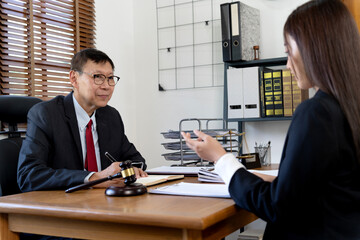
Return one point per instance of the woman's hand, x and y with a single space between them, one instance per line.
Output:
205 146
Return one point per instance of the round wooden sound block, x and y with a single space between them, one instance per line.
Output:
127 190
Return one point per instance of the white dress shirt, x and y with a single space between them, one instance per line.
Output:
226 166
82 120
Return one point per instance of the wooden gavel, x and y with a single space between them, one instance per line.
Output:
127 172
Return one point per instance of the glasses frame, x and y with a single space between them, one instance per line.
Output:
105 77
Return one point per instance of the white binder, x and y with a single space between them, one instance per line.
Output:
251 92
235 93
243 92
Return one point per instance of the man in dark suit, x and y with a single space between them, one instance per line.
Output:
55 153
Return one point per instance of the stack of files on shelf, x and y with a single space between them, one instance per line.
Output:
240 31
255 92
151 180
225 143
171 134
176 156
184 153
243 92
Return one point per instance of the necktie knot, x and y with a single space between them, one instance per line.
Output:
89 124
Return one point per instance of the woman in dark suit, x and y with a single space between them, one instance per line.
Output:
316 194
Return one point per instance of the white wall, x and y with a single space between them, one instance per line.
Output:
127 31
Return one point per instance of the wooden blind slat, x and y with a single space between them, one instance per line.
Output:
55 7
44 32
5 91
38 41
42 88
54 48
52 28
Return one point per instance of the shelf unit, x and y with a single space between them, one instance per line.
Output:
244 64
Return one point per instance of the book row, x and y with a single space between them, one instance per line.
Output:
256 92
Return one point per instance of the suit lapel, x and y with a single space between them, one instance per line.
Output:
72 122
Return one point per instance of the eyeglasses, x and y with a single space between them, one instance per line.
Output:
100 78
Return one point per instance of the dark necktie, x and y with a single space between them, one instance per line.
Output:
90 160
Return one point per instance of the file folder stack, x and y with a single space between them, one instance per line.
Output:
240 28
187 157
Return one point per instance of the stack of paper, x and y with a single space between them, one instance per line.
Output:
208 175
194 189
187 171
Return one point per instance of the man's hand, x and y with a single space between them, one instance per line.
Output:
205 146
111 170
139 173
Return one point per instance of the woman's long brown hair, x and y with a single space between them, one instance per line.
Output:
329 43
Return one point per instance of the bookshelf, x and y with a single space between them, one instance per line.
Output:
270 62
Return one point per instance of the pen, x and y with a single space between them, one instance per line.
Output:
111 158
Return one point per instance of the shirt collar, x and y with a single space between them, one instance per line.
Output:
82 116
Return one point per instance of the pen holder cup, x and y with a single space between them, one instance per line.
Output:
264 155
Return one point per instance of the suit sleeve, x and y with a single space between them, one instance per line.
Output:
112 137
128 150
37 154
307 155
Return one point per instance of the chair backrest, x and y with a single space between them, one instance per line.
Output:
13 110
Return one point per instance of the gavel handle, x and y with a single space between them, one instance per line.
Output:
92 183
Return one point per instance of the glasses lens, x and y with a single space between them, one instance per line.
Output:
99 79
112 81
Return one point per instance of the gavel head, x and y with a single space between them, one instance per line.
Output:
127 172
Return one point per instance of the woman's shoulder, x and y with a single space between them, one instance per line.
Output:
320 103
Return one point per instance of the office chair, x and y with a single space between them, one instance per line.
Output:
13 110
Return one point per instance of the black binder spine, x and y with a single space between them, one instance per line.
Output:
269 93
226 31
262 92
235 31
278 93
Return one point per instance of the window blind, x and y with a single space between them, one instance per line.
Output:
37 41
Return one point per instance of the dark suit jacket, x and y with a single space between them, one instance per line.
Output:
317 192
51 155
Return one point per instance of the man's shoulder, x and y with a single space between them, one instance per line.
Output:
49 104
52 108
107 109
108 114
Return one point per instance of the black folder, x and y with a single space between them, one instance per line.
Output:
236 52
226 31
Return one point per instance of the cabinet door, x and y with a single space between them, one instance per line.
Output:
354 7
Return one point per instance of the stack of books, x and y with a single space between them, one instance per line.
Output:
259 92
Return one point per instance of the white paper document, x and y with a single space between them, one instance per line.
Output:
194 189
267 172
175 170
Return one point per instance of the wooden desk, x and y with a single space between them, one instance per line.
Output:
89 214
